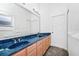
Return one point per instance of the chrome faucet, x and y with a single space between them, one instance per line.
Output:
15 41
19 40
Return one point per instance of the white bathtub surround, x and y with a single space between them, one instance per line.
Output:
73 43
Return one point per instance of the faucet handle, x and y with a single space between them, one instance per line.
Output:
19 40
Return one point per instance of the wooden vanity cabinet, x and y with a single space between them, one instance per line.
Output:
36 49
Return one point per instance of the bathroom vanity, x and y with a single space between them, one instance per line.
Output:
32 45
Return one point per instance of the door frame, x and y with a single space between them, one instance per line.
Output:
66 12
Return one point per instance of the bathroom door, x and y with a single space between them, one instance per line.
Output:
60 31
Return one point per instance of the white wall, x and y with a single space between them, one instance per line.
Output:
73 17
47 22
34 24
73 43
22 27
46 12
44 18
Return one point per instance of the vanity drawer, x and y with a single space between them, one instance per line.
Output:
43 46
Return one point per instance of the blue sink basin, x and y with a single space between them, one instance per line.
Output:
32 39
43 34
16 45
6 43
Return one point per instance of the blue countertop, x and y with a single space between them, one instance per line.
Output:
8 47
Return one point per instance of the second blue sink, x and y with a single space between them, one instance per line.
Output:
16 45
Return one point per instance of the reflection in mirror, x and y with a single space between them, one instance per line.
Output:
6 21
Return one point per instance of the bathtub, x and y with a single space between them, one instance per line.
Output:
73 44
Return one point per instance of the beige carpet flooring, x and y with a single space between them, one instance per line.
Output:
56 51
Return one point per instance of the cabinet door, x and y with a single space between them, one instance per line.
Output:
39 48
43 46
48 42
30 49
32 53
20 53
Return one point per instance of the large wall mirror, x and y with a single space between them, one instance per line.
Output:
6 21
